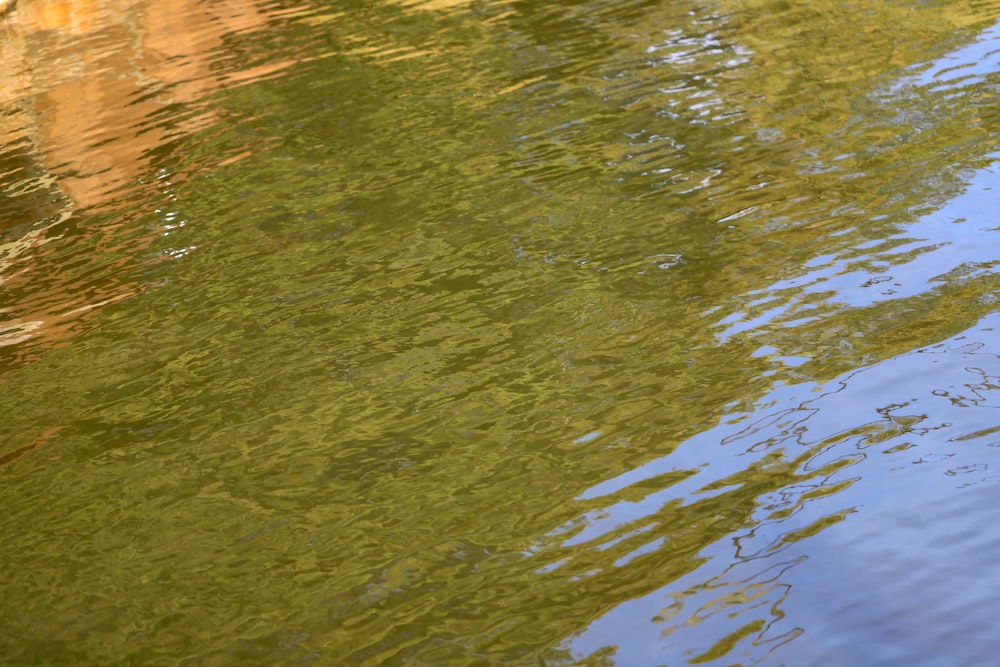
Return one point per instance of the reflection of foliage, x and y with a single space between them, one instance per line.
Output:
348 424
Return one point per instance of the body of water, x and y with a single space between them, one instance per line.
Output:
604 332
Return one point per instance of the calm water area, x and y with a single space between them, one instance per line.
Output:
500 332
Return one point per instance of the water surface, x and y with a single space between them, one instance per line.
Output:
499 333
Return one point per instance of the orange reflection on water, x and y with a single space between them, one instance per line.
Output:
113 80
94 93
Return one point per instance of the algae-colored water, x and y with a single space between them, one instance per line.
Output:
499 333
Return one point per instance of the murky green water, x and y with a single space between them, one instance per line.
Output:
499 333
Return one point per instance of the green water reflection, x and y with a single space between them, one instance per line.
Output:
491 333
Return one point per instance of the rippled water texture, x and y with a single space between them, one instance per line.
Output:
499 333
